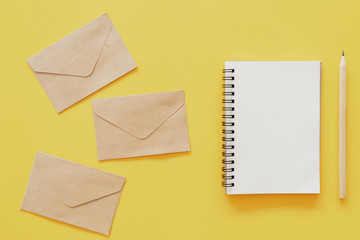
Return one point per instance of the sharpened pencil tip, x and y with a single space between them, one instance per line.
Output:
343 53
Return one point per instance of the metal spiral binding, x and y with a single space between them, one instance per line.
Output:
228 131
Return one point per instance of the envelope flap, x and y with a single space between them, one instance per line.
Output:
76 184
77 53
139 115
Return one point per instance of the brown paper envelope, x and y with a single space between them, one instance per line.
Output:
82 63
140 125
72 193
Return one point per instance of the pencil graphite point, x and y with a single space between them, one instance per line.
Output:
343 53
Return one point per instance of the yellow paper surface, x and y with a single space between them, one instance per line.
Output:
180 45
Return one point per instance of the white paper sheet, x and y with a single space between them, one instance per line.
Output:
277 127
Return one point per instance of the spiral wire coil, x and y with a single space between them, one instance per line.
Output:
228 130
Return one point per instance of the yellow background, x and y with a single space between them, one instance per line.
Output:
180 45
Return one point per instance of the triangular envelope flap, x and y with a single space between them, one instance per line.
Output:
76 184
139 115
77 53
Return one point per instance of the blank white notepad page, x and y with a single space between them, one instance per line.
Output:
277 127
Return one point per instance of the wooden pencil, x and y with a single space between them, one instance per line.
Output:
342 128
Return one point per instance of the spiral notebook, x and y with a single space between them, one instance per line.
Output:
271 127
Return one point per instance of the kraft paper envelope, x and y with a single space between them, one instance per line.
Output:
139 125
72 193
81 63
